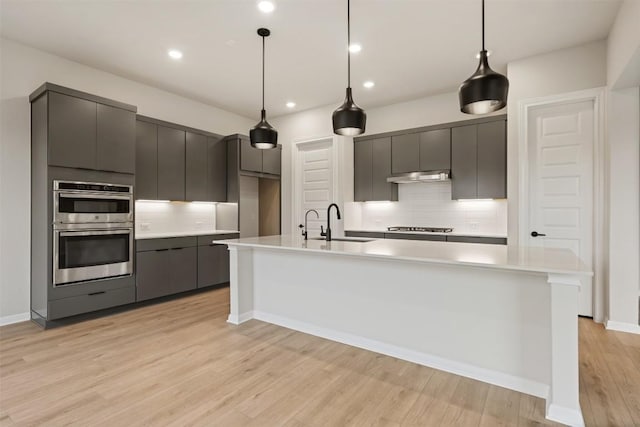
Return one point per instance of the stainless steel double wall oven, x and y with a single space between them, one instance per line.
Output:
92 231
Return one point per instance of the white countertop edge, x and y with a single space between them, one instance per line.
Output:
427 233
170 234
414 259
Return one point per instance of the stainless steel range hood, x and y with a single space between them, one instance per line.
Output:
415 177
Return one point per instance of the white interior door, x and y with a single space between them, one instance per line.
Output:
560 150
315 186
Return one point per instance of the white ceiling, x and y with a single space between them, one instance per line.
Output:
411 48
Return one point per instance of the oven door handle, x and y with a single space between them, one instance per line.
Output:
94 232
85 195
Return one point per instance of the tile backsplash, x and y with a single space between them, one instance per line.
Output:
178 217
429 205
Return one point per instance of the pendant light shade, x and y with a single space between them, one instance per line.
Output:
263 135
349 119
485 91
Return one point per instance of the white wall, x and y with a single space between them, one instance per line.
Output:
624 206
316 124
23 69
623 47
561 71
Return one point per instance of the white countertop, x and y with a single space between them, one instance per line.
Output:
533 259
453 233
168 234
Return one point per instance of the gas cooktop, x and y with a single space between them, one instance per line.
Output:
421 229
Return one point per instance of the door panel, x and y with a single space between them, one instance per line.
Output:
217 170
492 160
171 162
435 150
271 160
250 158
116 139
151 274
561 142
213 265
464 170
405 153
146 161
381 157
72 131
362 170
196 167
183 265
316 162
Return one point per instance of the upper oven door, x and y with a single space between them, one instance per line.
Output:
85 207
92 254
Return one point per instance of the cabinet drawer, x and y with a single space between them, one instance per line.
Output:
143 245
477 239
369 234
408 236
66 307
209 238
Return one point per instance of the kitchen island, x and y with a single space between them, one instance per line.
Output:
499 314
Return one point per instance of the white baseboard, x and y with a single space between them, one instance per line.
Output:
570 417
237 319
14 318
511 382
622 327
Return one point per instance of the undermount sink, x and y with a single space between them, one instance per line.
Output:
345 239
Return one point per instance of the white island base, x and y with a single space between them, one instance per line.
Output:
501 315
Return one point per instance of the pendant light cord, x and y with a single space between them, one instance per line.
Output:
263 72
348 43
483 25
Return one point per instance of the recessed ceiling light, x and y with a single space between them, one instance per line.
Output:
368 84
355 48
175 54
291 104
266 6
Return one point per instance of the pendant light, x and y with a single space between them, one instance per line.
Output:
485 91
349 119
263 135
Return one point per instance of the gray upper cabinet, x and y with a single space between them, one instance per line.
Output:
146 161
479 161
372 166
362 170
492 160
116 139
271 160
171 163
405 153
464 170
435 150
72 131
250 158
216 170
196 167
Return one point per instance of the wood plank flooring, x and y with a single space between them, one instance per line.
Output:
178 363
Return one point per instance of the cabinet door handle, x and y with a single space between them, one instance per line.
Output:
97 293
177 249
161 250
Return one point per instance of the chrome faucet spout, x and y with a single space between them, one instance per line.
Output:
305 231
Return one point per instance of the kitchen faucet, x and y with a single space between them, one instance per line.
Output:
304 227
327 234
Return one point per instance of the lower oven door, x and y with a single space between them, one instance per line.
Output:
85 255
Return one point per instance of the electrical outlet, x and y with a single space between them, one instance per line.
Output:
199 224
474 226
144 226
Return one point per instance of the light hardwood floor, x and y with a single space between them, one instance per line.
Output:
179 363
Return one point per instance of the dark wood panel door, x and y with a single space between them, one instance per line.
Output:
381 159
146 161
196 167
213 265
152 274
362 170
271 160
183 265
250 158
435 150
116 139
492 160
72 131
171 162
216 170
405 153
464 170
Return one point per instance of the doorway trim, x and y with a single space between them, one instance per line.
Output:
297 173
597 96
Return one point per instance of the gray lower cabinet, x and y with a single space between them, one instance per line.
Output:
478 239
372 166
196 167
72 131
146 161
183 269
151 274
405 153
171 163
213 265
432 237
479 161
116 139
435 150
